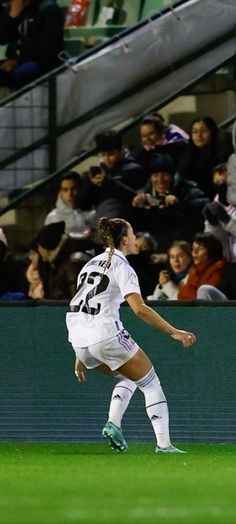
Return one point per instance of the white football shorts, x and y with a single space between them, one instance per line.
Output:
114 352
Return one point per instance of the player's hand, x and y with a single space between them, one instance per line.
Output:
80 370
186 337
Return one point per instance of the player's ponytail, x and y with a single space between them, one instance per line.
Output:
111 231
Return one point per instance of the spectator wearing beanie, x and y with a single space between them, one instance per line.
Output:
168 206
64 256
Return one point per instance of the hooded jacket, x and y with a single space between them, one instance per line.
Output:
76 220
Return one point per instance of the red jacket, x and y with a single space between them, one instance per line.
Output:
204 273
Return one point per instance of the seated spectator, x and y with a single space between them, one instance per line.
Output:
226 290
171 132
117 161
143 263
179 260
34 275
157 138
208 266
109 197
64 256
66 210
169 207
33 32
220 215
145 242
207 147
11 272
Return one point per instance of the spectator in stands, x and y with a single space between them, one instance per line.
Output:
208 267
142 261
109 197
158 138
33 32
11 272
226 290
179 260
168 206
220 215
35 276
171 132
117 161
207 147
64 257
66 210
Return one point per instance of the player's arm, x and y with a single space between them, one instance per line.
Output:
80 370
150 316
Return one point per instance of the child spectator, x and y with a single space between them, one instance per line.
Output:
179 260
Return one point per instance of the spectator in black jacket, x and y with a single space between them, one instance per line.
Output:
117 161
207 147
63 258
169 206
108 196
33 33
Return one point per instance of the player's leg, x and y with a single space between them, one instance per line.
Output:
141 370
120 399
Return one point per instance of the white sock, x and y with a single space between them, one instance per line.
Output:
156 407
120 399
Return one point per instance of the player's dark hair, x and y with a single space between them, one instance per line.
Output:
111 231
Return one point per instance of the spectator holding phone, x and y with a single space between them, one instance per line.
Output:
168 206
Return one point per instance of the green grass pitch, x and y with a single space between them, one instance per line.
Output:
90 483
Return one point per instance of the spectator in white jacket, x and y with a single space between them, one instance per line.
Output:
220 215
66 210
179 260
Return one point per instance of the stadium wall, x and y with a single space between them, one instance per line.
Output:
41 399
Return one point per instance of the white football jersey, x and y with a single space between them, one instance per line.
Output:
97 300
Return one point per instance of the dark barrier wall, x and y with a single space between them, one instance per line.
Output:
42 401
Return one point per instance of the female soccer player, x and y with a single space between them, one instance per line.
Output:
100 340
